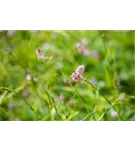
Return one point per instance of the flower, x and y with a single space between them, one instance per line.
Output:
28 76
40 54
81 78
82 50
80 69
114 114
85 41
46 46
93 80
10 32
76 76
94 54
54 35
86 53
122 96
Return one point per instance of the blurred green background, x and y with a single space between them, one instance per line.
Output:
32 89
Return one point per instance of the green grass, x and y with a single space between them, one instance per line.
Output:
113 75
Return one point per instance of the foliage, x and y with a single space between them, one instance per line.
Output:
33 89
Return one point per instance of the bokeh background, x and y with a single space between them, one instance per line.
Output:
32 89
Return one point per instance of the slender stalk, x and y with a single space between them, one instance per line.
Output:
30 107
56 109
95 88
8 89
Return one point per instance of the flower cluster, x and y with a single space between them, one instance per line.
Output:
82 50
76 76
9 32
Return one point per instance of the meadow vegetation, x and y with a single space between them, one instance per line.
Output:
39 80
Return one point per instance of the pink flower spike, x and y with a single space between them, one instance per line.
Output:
75 76
114 114
80 48
11 32
81 78
80 70
86 53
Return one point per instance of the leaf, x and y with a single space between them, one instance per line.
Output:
53 113
45 118
7 89
73 115
101 116
2 97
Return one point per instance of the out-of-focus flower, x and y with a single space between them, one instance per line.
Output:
86 53
25 92
40 54
28 76
71 102
85 41
94 54
82 50
93 80
46 46
10 32
114 114
122 97
54 35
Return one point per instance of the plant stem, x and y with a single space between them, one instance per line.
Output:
95 88
30 107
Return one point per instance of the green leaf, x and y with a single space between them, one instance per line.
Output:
53 113
73 115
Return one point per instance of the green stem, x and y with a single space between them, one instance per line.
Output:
31 108
95 88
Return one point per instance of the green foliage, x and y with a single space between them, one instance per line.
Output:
112 73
